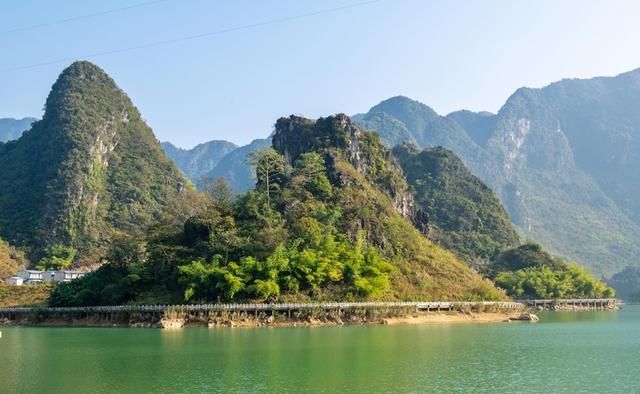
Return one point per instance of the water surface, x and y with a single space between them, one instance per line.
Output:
585 352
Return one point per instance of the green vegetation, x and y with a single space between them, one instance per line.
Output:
12 260
57 257
561 159
315 227
89 169
360 271
529 255
25 295
464 214
530 272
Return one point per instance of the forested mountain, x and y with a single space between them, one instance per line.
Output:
11 129
201 159
529 272
464 214
562 159
331 217
89 170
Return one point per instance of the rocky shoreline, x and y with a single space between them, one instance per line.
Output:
266 319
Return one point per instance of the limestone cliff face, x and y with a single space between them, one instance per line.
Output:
337 136
529 134
563 159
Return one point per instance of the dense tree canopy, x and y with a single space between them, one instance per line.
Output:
12 260
57 257
530 272
464 214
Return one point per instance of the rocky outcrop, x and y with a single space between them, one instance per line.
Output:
339 135
172 324
525 316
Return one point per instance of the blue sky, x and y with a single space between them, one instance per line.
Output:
447 54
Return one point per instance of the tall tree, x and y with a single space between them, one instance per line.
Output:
270 170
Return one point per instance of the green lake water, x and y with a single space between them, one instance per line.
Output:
586 352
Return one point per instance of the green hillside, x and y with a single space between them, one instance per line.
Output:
464 214
91 168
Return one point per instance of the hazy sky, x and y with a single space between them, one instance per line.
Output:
234 85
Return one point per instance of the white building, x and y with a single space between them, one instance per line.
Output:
31 276
35 276
61 276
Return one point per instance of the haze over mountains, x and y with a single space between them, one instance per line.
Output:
562 159
217 159
201 159
12 129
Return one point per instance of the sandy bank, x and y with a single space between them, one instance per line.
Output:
409 319
450 317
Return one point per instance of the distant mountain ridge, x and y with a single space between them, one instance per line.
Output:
234 167
562 159
199 160
11 129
